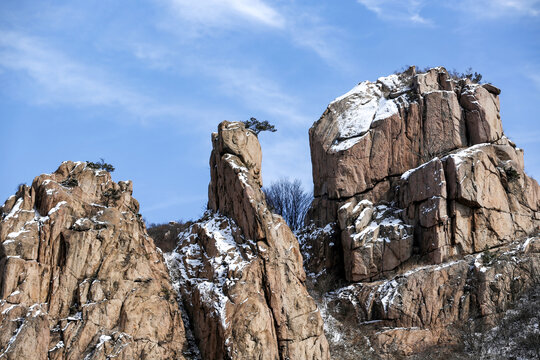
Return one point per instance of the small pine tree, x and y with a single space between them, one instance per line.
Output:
257 126
101 165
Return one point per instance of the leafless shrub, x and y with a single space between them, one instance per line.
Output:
288 199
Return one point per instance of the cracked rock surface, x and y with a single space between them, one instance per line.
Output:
80 277
436 220
239 268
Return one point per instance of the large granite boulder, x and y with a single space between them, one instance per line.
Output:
424 190
432 146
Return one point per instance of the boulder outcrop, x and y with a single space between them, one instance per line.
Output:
437 221
239 268
80 277
433 148
438 303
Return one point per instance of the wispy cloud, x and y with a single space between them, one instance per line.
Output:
496 9
410 10
192 20
63 80
257 91
206 14
397 10
309 30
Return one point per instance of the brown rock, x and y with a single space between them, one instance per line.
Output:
421 307
444 126
77 264
374 240
482 114
264 310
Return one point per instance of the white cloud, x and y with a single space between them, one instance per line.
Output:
226 13
62 80
192 20
409 10
310 31
397 10
494 9
256 91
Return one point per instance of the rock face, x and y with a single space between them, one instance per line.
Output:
434 304
239 268
434 148
423 188
80 278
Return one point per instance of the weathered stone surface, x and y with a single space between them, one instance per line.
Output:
464 202
321 249
379 130
431 148
374 239
482 114
444 128
419 308
353 152
418 148
80 278
247 299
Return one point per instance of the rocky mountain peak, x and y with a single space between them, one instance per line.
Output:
80 276
242 265
415 175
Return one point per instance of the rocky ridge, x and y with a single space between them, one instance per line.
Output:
418 180
80 277
239 269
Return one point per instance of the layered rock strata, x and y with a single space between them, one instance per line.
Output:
433 148
239 268
80 278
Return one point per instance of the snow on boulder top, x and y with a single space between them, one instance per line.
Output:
366 103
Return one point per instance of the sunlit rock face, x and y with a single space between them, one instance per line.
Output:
239 268
80 278
432 147
429 205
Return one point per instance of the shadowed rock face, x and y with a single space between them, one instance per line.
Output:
239 268
80 278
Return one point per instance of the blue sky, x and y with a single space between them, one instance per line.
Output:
144 83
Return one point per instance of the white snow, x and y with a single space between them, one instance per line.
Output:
58 345
56 208
103 339
15 209
392 82
15 234
190 261
463 154
407 174
80 222
7 310
242 170
346 144
388 292
362 203
386 109
362 105
76 317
